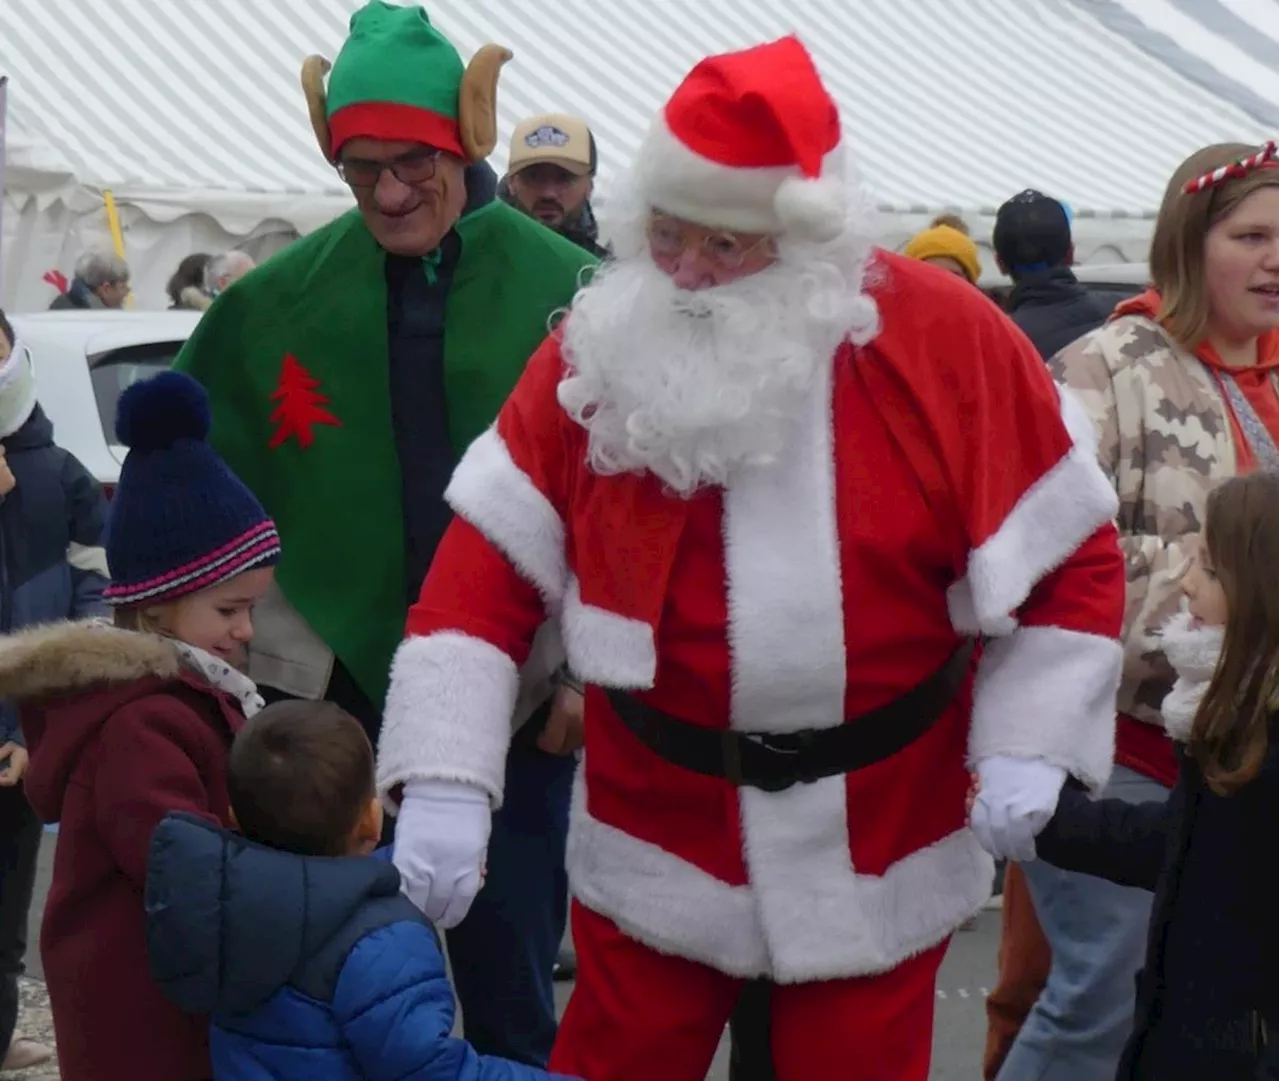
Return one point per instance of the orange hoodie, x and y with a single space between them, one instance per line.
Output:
1256 382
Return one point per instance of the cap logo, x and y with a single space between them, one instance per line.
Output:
546 136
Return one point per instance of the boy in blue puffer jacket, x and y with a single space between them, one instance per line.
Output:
292 935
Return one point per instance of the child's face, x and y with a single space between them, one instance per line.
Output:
1206 599
219 620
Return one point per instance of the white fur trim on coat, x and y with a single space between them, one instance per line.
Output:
839 924
604 648
784 590
819 917
1052 519
469 688
496 496
672 178
1049 693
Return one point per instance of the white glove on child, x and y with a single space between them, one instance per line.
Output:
441 837
1016 799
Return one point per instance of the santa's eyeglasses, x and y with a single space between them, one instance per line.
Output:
669 239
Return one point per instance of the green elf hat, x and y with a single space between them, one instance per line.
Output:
398 78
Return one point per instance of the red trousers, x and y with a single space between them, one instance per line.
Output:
637 1015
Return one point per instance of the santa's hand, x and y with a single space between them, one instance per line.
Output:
441 837
1015 800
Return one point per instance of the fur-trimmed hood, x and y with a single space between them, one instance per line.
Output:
67 680
67 658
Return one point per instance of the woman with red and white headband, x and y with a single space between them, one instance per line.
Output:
1181 382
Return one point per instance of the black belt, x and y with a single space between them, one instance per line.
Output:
776 761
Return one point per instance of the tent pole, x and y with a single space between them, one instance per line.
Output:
117 237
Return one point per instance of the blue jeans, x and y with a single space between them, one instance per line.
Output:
1097 932
503 952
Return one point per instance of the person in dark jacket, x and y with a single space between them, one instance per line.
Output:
551 171
293 936
101 281
1032 242
1206 996
51 568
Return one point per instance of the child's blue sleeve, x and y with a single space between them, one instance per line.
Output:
395 1007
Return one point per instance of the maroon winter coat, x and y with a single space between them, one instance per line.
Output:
120 733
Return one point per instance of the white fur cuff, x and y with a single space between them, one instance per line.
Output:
448 713
1046 692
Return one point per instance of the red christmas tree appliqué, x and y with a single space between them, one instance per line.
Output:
301 407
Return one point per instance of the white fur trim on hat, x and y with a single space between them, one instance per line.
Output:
672 178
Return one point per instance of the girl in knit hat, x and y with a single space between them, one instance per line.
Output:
946 245
128 722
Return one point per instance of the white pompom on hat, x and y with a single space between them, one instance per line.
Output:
750 142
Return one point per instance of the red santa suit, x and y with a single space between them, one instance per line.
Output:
940 487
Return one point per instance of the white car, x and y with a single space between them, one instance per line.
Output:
84 359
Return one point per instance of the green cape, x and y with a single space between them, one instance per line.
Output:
336 502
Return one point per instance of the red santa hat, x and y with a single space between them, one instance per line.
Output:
750 141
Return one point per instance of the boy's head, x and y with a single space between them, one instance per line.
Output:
301 780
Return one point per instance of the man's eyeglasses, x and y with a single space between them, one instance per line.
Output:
669 239
413 168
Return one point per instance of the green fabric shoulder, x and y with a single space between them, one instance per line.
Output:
514 275
525 246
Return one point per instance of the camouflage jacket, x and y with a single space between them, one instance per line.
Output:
1165 439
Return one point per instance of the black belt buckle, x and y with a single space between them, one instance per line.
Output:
771 762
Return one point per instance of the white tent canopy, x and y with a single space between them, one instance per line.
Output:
191 113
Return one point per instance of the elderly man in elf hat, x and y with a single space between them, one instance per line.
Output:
347 376
766 479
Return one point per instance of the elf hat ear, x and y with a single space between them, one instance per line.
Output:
478 102
314 69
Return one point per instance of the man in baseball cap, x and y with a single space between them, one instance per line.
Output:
1032 242
551 170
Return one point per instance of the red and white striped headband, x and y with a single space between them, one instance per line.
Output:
1264 157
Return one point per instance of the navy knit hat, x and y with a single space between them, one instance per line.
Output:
180 521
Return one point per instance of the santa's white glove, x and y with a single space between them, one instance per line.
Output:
441 837
1016 799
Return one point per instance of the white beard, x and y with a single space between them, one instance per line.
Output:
1193 652
690 385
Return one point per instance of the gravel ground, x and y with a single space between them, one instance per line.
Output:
35 1023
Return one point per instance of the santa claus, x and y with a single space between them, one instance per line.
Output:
772 484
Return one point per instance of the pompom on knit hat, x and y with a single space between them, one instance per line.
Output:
749 142
180 520
947 237
396 78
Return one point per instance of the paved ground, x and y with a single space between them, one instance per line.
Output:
959 1027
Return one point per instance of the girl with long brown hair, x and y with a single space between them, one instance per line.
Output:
1207 998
